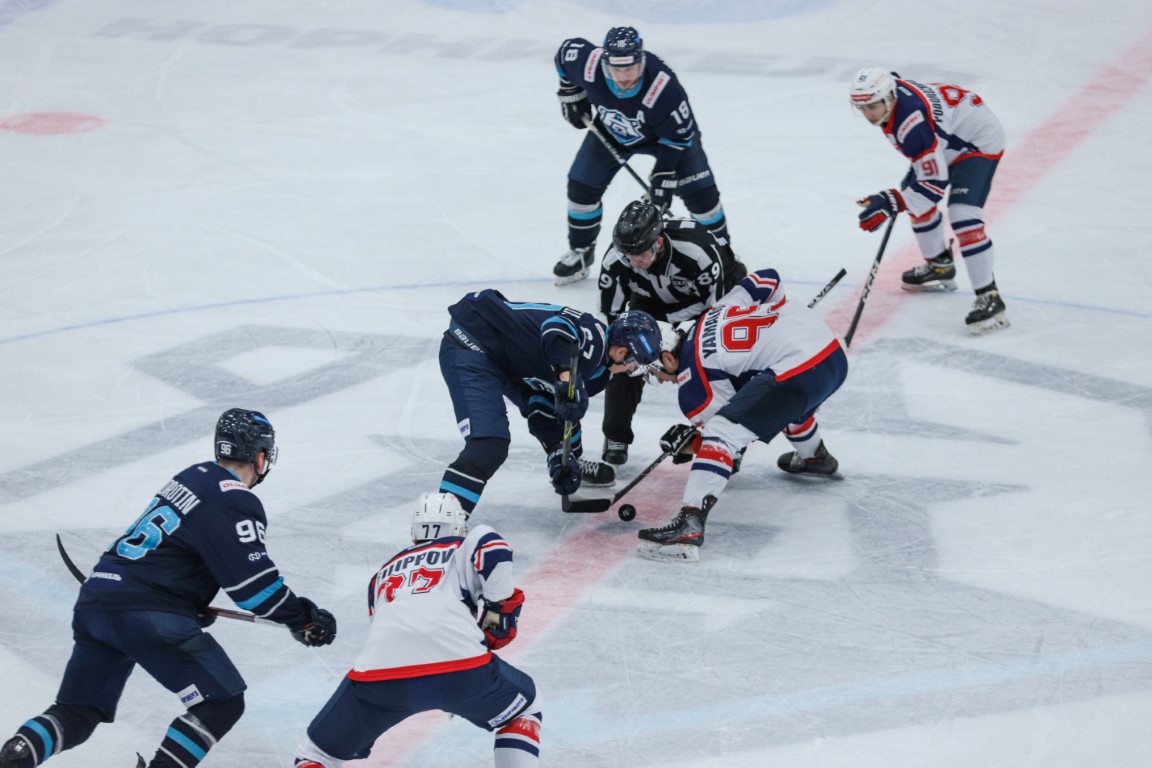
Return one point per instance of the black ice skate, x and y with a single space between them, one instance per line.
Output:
596 474
574 265
987 313
823 463
938 274
615 452
680 539
14 752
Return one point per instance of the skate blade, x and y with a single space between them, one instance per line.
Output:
994 323
677 553
571 278
937 286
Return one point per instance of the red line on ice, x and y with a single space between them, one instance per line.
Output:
1025 164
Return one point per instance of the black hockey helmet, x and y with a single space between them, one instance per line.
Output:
638 228
638 332
623 47
242 434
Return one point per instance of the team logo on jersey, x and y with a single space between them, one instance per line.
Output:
232 485
681 283
624 129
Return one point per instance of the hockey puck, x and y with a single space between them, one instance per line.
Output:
627 512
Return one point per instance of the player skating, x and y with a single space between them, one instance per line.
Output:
954 142
495 349
147 598
755 365
638 107
438 610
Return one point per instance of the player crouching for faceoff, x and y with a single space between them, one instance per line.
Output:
751 367
148 598
495 349
438 610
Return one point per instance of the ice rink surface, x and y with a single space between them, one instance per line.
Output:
270 205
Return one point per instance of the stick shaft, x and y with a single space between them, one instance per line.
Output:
831 284
868 284
224 613
616 154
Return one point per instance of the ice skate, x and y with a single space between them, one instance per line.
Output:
938 274
14 751
596 474
574 265
140 761
823 463
680 539
615 452
987 313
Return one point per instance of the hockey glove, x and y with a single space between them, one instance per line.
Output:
204 616
499 620
682 441
662 185
565 477
319 626
880 207
574 105
570 406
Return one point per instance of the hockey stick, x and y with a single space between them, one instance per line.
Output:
221 613
827 288
868 284
603 505
619 158
570 427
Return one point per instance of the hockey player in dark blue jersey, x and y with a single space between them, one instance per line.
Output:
148 597
496 349
636 103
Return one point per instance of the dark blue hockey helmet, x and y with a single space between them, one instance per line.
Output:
242 434
623 47
638 332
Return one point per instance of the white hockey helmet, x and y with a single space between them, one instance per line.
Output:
438 515
873 84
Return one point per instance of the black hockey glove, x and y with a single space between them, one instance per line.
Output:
880 207
662 184
204 616
500 618
565 477
680 441
319 626
570 406
574 105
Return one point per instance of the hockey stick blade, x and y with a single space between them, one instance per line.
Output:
76 572
588 505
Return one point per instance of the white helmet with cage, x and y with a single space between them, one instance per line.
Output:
437 516
873 84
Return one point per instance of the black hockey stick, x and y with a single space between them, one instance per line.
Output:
603 505
223 613
570 427
619 158
868 284
831 284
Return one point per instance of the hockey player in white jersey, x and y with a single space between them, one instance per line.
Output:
754 365
427 649
954 142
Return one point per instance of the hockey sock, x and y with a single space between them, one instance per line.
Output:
61 727
518 742
466 477
193 733
804 437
